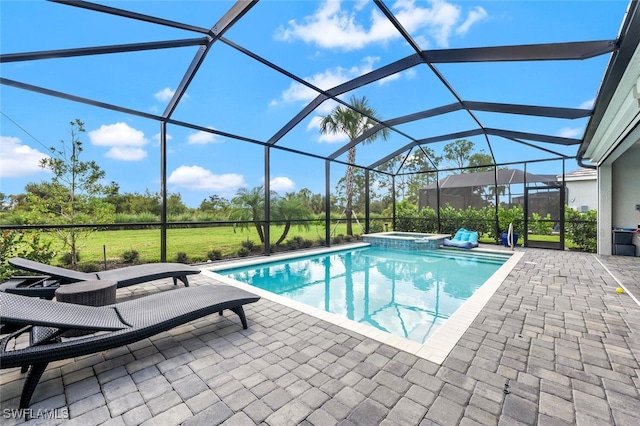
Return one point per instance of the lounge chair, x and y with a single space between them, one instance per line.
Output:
114 325
126 276
463 239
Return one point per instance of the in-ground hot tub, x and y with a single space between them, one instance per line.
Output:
405 240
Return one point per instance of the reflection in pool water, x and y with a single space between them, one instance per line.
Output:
409 294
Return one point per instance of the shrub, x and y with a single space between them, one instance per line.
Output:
214 255
88 267
581 228
248 244
66 258
181 257
243 252
130 256
338 239
298 242
540 226
376 226
513 215
348 238
22 244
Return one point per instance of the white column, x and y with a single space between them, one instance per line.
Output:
604 210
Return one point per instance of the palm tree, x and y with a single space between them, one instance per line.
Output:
288 209
248 205
353 124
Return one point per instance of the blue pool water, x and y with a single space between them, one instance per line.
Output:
406 293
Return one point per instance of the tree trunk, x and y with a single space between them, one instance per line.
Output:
349 189
258 226
287 227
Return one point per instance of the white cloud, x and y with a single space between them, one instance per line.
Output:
389 79
324 80
17 159
165 94
125 143
475 15
587 104
334 26
570 132
126 153
281 183
119 134
200 179
408 74
156 137
203 138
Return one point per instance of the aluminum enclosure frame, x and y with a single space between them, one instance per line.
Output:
619 49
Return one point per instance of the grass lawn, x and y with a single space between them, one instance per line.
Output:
195 242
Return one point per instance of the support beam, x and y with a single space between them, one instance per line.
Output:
327 203
267 201
538 111
101 50
234 14
131 15
434 139
163 191
528 52
78 99
533 137
395 121
375 75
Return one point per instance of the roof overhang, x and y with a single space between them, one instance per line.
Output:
617 109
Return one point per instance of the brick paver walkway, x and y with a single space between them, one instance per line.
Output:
556 345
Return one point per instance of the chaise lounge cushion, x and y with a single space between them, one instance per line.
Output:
126 276
462 239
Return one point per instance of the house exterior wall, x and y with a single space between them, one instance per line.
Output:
582 193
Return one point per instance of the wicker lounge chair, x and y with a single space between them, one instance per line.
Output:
126 276
113 325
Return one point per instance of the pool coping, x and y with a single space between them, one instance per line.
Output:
437 346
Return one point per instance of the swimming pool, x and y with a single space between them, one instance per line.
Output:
404 298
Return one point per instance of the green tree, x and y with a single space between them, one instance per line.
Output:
287 209
357 191
343 120
480 161
458 153
413 172
214 204
248 205
72 196
5 201
175 206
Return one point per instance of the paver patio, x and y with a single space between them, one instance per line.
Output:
555 345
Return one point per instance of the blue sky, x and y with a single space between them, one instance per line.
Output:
325 42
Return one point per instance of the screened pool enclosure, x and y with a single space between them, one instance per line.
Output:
526 129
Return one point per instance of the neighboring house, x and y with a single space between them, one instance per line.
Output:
582 189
